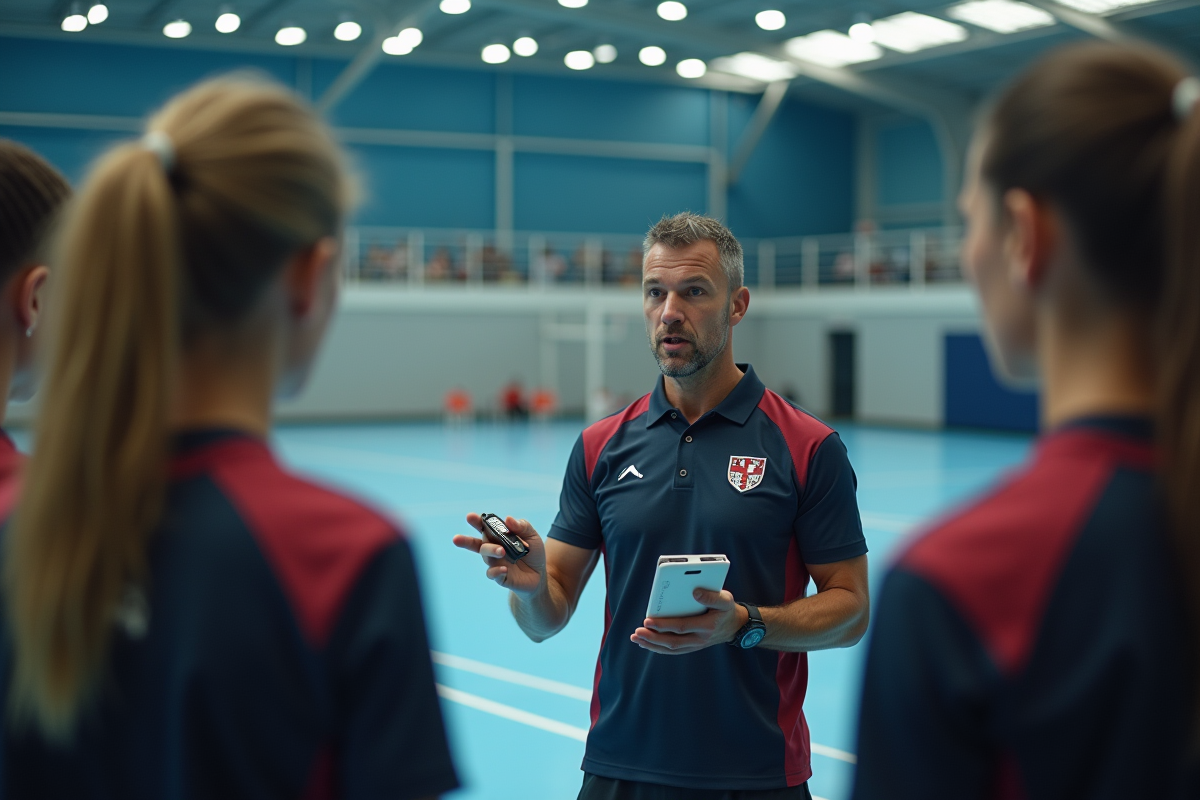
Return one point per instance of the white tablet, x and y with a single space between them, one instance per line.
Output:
677 577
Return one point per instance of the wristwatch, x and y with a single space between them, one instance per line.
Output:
750 634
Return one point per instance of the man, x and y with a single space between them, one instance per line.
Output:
709 462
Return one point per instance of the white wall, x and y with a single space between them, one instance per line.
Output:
394 352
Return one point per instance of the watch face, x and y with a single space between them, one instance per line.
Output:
752 638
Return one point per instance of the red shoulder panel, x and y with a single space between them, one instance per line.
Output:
802 431
598 434
316 540
11 463
998 561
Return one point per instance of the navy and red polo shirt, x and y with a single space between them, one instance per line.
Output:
285 653
1036 645
756 479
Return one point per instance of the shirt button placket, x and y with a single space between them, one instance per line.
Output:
683 466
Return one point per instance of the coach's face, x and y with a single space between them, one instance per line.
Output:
688 306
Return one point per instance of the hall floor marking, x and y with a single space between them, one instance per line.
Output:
553 687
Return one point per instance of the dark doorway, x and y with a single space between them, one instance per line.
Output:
841 357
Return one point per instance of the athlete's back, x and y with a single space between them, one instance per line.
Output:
1035 644
279 650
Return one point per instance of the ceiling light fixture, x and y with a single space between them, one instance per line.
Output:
605 53
832 49
770 20
74 23
755 67
455 6
672 10
228 22
691 68
97 14
496 54
572 3
579 59
179 29
347 31
525 47
652 56
1001 16
909 32
862 32
290 36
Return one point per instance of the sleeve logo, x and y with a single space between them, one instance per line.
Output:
746 472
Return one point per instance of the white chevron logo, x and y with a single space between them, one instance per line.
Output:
630 469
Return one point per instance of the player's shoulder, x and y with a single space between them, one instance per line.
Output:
595 437
1031 515
997 560
273 498
605 427
791 419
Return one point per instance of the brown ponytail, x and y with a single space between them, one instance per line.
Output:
1095 128
1179 343
156 252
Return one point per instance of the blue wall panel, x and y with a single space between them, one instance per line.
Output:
420 98
909 164
117 80
71 151
426 187
589 109
800 179
605 195
974 398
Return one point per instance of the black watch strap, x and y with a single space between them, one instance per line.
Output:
750 634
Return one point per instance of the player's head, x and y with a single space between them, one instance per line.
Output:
1066 196
213 240
32 194
692 291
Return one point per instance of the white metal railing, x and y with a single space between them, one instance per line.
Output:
417 257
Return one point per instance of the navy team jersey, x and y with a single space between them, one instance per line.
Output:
1035 645
284 657
756 479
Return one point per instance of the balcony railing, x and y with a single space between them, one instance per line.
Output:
417 257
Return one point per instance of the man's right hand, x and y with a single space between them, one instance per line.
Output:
524 577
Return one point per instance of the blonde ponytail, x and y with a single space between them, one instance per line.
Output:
150 259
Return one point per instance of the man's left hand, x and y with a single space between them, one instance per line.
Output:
679 635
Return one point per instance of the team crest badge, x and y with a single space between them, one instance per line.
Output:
746 472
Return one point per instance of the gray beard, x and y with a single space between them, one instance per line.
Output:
701 358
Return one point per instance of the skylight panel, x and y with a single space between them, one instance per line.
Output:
909 32
1103 6
1001 16
832 49
755 67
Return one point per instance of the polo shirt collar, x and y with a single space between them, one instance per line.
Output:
737 406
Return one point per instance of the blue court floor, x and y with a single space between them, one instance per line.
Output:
518 711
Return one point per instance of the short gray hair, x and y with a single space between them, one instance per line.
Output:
687 228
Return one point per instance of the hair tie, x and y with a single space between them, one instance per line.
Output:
1187 94
161 145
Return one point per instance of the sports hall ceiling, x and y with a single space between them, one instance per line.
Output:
962 70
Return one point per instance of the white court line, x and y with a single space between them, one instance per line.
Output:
833 752
514 714
429 469
553 687
512 676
